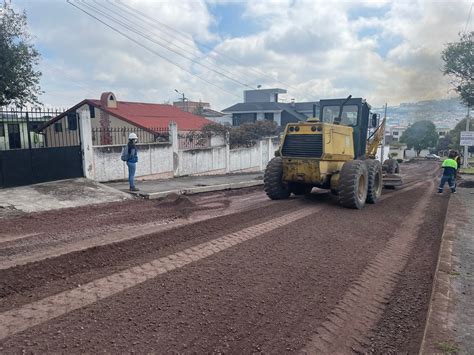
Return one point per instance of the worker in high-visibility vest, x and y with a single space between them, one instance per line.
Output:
458 160
450 166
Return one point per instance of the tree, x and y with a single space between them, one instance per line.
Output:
215 128
19 80
458 60
444 144
455 134
421 135
245 135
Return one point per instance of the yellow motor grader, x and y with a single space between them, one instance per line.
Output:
336 152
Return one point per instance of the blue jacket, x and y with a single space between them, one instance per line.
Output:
132 153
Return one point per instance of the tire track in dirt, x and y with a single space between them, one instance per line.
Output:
349 324
17 320
25 283
266 295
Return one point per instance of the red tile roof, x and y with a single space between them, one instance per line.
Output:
154 115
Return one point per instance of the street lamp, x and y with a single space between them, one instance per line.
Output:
185 105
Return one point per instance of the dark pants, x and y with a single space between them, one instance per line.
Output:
450 179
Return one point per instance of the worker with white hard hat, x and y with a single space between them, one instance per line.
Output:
130 156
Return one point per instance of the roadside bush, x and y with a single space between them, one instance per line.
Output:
245 135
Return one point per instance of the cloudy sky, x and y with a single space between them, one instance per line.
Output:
213 50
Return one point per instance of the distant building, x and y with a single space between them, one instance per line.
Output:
396 132
442 131
203 109
263 104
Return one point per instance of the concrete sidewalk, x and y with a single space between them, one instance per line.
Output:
450 325
55 195
188 185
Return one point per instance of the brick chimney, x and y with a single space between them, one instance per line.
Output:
107 99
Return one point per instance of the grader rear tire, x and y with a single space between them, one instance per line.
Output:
375 180
353 184
272 180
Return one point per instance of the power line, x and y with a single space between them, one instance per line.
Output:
468 18
189 42
149 49
132 29
219 71
212 50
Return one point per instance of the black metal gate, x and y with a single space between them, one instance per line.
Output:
34 151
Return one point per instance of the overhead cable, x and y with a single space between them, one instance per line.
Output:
149 49
212 50
218 70
147 37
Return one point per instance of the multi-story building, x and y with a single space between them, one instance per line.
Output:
264 104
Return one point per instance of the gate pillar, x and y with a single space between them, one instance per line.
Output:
86 142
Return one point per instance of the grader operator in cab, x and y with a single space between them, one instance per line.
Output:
336 152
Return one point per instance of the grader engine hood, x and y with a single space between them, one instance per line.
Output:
312 151
318 141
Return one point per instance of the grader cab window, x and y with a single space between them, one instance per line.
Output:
348 118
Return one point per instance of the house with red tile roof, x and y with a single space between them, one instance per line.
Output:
110 115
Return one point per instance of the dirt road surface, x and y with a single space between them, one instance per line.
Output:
228 272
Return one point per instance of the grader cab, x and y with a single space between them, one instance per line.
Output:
335 152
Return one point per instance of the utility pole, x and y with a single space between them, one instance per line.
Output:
382 149
466 148
184 99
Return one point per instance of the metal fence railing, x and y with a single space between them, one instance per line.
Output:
29 129
194 140
119 136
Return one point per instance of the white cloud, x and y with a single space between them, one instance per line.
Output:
315 49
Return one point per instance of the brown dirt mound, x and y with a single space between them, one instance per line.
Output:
466 184
175 200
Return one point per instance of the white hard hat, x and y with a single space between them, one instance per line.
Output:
132 136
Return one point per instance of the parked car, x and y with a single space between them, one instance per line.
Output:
433 157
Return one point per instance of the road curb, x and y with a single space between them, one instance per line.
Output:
201 189
437 322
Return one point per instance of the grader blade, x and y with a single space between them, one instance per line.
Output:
390 181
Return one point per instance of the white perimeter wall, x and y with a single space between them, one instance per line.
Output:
153 160
160 161
202 161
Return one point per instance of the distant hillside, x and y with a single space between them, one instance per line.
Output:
443 113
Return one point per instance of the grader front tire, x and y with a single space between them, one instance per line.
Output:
353 184
391 166
272 180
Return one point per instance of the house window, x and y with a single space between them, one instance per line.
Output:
395 134
33 126
92 111
72 121
2 130
58 127
239 118
269 116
